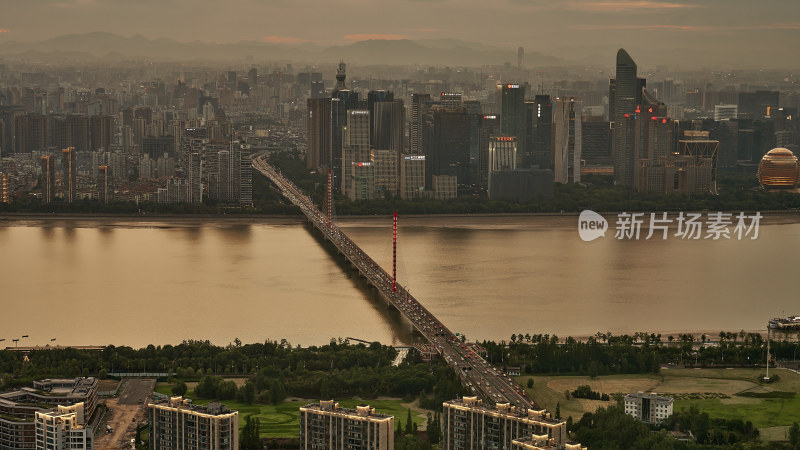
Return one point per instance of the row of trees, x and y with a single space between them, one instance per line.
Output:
641 352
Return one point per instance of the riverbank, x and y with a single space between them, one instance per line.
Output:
776 217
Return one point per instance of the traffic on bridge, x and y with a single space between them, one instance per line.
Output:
476 373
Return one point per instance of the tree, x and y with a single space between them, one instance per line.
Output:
249 438
179 388
530 382
593 370
246 393
566 394
409 426
558 410
276 391
794 435
207 387
226 390
434 429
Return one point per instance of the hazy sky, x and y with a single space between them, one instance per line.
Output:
537 24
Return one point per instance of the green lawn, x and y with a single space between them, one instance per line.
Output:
283 419
768 412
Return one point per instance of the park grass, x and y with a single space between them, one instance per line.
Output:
764 412
283 419
548 391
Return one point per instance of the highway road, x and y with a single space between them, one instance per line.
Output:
476 373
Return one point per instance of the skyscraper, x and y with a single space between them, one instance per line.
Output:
567 140
539 133
388 125
447 144
320 133
355 146
511 99
419 108
626 91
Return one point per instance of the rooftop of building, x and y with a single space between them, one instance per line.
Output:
180 403
76 387
332 407
507 409
650 395
66 386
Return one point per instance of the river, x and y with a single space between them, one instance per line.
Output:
99 281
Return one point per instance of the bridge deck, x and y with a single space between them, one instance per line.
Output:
479 375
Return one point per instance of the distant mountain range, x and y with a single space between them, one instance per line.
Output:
100 46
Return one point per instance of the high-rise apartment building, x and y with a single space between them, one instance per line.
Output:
48 178
77 132
103 183
101 133
70 174
567 140
468 424
177 424
65 428
30 133
326 425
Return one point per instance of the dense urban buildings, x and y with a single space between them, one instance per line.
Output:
187 133
177 424
648 408
326 425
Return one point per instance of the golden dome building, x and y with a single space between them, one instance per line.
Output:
779 168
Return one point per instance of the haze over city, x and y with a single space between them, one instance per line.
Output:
685 33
